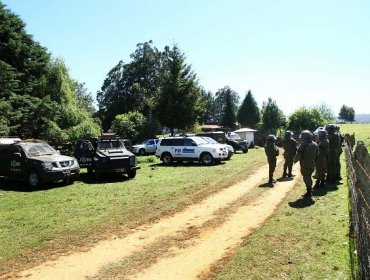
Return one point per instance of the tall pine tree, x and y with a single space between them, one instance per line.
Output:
178 105
248 113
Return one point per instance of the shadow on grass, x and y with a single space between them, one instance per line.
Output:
102 178
302 202
19 186
321 191
185 164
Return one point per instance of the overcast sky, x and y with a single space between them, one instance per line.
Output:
298 52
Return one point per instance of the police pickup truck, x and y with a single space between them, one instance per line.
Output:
106 154
35 162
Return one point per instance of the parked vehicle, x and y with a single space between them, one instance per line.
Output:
229 148
229 138
106 154
189 149
147 147
35 162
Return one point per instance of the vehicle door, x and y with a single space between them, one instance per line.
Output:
190 149
150 146
84 153
13 163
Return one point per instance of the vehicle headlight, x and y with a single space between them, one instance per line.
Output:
47 165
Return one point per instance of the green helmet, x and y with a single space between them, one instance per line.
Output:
271 138
306 135
288 134
322 134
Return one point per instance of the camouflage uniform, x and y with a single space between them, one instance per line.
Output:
322 158
290 149
271 152
306 155
332 155
340 140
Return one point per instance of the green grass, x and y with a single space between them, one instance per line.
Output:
304 240
58 218
361 131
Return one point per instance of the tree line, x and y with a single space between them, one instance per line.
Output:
156 89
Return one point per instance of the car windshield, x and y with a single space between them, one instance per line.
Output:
110 145
210 140
234 136
37 149
199 140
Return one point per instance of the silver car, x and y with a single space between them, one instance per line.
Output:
147 147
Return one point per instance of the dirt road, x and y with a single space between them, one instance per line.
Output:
182 246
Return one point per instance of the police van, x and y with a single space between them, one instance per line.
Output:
192 148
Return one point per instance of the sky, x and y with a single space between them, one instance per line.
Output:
298 52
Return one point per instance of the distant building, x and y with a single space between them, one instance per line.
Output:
210 127
247 134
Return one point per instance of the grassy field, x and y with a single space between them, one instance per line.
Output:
306 239
62 217
303 241
361 131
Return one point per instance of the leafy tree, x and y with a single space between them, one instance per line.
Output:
326 112
131 86
26 57
220 100
272 117
248 113
208 101
347 113
178 105
129 125
305 118
85 100
37 95
228 116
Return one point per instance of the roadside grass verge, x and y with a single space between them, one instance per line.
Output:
305 239
40 224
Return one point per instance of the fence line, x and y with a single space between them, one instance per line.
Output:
359 184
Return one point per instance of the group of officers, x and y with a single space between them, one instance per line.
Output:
320 152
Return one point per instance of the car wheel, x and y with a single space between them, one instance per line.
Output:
206 159
245 151
166 158
131 174
142 152
34 180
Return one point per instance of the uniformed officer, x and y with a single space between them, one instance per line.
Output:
322 158
271 152
306 155
332 155
290 149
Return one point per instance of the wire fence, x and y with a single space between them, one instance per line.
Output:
359 183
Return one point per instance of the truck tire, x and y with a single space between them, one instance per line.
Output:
166 158
142 152
131 174
206 158
33 179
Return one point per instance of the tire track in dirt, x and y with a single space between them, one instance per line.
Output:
211 245
80 265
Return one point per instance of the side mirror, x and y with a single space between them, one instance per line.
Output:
17 155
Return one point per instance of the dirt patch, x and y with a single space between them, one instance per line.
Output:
184 258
